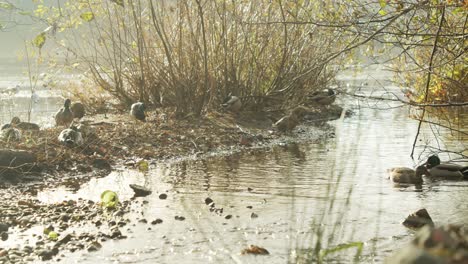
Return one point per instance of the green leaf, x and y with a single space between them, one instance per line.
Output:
39 40
383 3
4 5
53 235
109 199
358 245
382 12
88 16
143 165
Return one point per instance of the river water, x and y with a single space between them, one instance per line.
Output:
289 199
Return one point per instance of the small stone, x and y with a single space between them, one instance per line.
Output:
253 215
4 236
228 217
418 219
256 250
179 218
249 206
144 221
102 164
163 196
48 254
140 191
208 201
4 227
94 246
156 221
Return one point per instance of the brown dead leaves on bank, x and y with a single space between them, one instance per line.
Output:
118 137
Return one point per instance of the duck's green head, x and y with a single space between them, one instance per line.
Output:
432 161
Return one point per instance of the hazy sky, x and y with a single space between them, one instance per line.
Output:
12 39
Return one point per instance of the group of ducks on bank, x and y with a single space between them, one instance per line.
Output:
432 168
72 134
289 122
64 117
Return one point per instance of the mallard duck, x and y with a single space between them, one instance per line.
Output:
70 137
77 109
407 175
16 122
138 111
232 103
322 98
445 170
64 116
11 134
289 122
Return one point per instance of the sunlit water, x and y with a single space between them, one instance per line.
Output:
335 191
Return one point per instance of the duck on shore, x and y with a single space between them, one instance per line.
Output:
64 116
407 175
289 122
322 98
232 103
138 111
71 137
445 170
16 122
11 134
78 110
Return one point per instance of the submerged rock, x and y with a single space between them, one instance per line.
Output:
140 191
418 219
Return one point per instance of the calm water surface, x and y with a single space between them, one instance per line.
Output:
330 191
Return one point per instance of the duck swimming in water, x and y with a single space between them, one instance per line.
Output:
77 109
64 116
71 137
16 122
138 111
289 122
322 98
407 175
232 103
445 170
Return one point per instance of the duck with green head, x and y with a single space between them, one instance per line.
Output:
64 116
445 170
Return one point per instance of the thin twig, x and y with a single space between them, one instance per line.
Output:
429 74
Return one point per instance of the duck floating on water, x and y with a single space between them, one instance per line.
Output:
16 122
289 122
78 110
232 103
64 116
71 137
445 170
322 98
138 111
407 175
